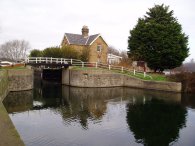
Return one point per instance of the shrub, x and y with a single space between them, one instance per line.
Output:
187 79
36 53
69 52
55 52
84 55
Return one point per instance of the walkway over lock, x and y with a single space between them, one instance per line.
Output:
49 62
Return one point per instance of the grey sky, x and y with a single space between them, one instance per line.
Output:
44 22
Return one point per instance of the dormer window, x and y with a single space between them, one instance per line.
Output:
99 48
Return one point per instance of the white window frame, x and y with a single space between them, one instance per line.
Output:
99 47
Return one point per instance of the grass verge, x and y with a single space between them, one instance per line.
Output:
149 76
15 67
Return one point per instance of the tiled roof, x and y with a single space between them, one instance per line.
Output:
78 39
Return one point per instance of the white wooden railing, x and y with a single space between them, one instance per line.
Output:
79 63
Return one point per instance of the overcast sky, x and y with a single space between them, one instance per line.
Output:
44 22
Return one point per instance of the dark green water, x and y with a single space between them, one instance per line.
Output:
54 115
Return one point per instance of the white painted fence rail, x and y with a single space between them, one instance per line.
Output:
79 63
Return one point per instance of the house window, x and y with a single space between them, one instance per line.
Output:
99 48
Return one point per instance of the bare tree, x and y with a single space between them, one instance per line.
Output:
124 55
15 49
112 50
126 61
190 66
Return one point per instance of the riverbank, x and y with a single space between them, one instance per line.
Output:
103 78
187 79
12 80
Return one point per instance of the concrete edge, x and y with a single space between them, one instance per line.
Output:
8 132
140 83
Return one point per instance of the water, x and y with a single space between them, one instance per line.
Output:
54 115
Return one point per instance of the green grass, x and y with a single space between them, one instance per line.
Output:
149 76
85 68
16 67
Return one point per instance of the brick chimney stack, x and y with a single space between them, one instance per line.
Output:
85 31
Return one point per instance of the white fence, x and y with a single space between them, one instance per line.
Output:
79 63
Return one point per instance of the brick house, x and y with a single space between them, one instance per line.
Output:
98 48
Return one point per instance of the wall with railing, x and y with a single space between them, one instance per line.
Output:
79 63
104 78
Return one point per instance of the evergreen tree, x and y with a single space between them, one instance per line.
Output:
158 39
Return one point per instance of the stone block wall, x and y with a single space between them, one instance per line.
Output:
20 80
103 78
15 80
94 78
93 57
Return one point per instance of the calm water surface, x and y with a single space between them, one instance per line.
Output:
54 115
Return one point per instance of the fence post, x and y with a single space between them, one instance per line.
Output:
36 60
82 64
134 71
46 60
122 69
40 60
61 60
96 65
144 74
109 67
71 61
51 59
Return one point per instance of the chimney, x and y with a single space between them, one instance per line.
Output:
85 31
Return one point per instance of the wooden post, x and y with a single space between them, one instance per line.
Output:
96 65
109 67
51 59
134 71
71 61
144 70
82 64
61 60
36 60
46 60
122 69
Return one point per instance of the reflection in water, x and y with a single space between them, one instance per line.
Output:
156 122
188 100
104 114
18 101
